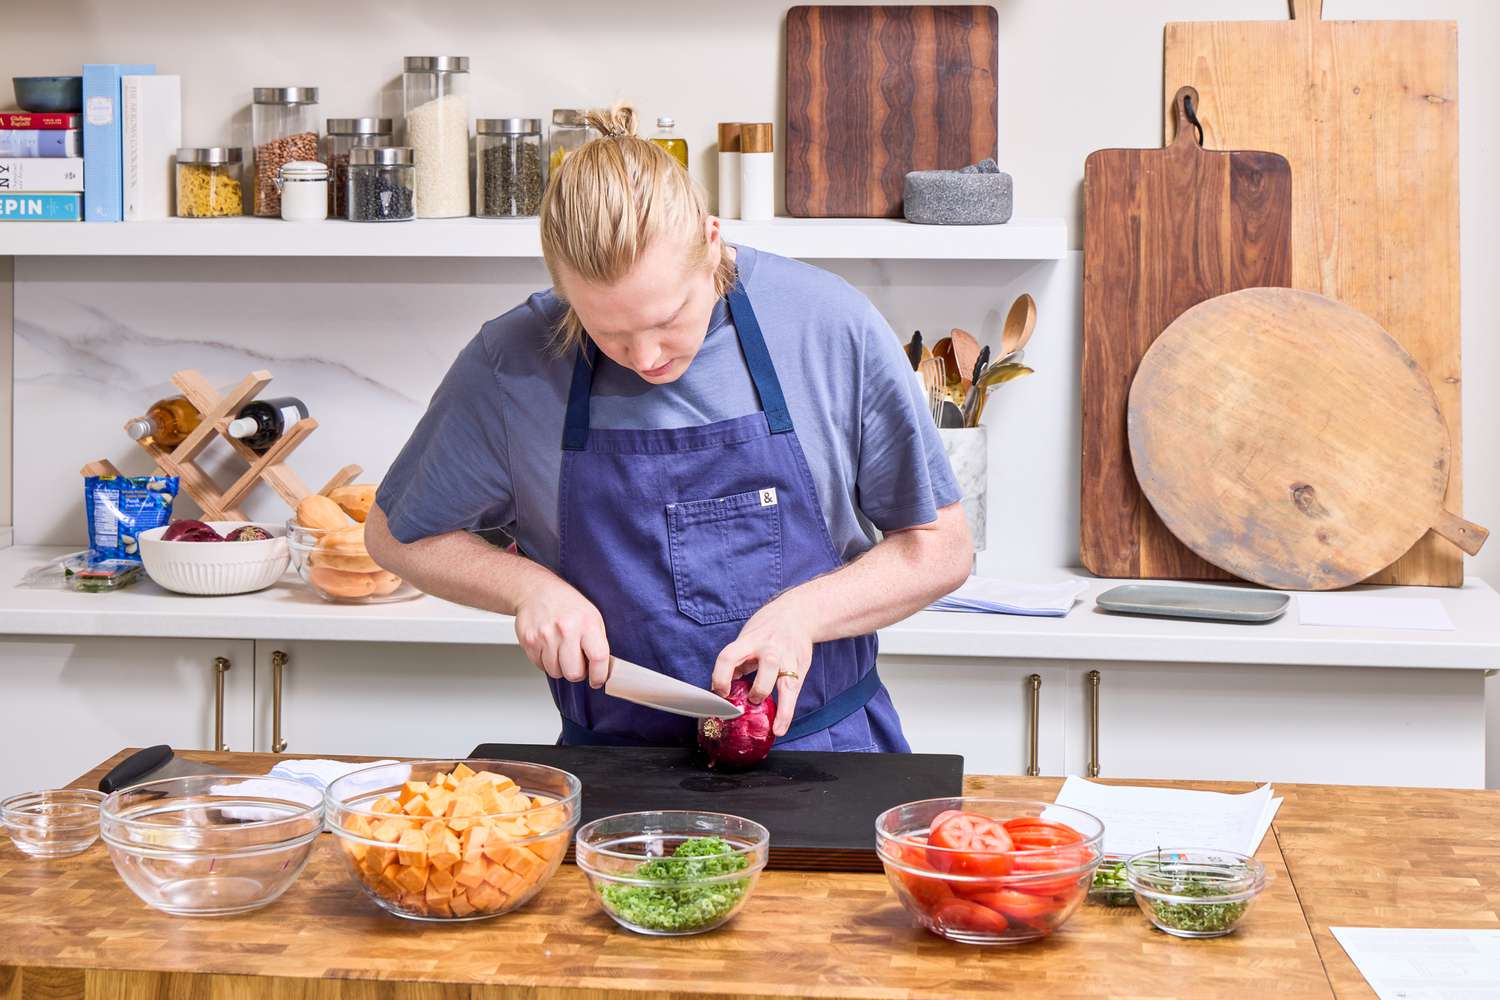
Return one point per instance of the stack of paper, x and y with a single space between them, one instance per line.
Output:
1425 964
1140 819
985 595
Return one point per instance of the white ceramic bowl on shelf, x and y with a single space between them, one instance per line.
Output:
216 568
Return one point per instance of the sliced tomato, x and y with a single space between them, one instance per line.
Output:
942 818
1021 907
963 915
973 845
930 892
1032 833
1068 860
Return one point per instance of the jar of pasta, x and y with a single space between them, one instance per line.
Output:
208 182
568 133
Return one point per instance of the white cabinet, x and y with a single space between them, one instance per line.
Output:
1336 725
399 699
72 703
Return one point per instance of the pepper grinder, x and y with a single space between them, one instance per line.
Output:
729 170
757 179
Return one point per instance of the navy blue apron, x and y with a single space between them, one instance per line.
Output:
678 536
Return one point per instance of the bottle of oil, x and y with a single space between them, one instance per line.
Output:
666 138
166 423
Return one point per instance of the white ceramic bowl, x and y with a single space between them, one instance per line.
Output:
216 568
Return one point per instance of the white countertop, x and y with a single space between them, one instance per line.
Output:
290 610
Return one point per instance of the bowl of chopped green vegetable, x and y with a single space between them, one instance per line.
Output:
1110 887
1195 893
673 872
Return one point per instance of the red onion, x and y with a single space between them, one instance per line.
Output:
741 742
188 530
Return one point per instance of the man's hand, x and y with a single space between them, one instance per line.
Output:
776 643
563 633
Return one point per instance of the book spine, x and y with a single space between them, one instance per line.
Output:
152 119
102 174
130 146
29 174
24 119
41 207
39 142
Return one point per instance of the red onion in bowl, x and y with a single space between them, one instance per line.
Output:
189 530
742 742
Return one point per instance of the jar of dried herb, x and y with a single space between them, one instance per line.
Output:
344 134
208 182
510 176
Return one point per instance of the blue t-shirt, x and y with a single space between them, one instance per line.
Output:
488 452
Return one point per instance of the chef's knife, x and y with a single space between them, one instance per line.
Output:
636 683
152 764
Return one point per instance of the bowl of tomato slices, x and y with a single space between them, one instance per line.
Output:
989 871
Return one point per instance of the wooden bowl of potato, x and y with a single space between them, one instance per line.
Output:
326 539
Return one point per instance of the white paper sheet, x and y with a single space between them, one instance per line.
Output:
988 595
1140 819
1369 611
1425 964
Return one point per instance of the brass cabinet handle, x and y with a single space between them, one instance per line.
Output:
1093 676
221 667
1033 768
279 660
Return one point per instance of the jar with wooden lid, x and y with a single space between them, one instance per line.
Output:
510 174
208 182
344 134
284 128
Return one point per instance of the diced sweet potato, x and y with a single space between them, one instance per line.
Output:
411 849
463 771
470 873
441 880
497 850
443 849
461 906
475 837
376 859
385 804
485 897
388 831
525 863
359 825
513 884
440 908
411 790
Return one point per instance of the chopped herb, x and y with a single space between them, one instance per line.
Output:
1110 887
685 908
1198 917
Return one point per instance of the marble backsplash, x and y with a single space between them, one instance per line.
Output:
365 342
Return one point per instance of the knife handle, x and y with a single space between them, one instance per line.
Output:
135 767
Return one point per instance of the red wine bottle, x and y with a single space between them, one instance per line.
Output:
261 422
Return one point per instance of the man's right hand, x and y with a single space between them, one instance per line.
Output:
563 633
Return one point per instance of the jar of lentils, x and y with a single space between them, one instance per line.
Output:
382 184
208 182
509 177
284 126
343 134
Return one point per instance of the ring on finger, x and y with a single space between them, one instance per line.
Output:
789 673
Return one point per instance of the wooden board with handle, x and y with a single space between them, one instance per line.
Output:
875 92
1288 439
1367 113
1164 229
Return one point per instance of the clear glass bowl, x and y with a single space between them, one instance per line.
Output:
987 897
681 897
53 824
340 569
1195 893
211 845
440 867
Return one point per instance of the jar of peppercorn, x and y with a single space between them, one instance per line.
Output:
343 134
509 178
382 184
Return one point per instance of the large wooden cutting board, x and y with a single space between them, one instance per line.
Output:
1367 113
1164 229
875 92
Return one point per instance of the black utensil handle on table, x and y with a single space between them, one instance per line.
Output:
135 767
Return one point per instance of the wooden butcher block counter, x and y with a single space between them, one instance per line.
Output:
1338 855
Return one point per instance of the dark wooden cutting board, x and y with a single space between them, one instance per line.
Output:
875 92
1164 229
819 807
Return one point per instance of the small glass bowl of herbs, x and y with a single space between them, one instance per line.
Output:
673 872
1110 887
1195 893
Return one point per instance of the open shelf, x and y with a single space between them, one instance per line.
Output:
830 239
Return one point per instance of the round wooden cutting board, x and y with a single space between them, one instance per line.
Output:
1288 439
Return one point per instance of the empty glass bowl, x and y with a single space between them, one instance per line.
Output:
53 824
674 872
211 845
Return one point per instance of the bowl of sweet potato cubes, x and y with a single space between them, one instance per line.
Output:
453 840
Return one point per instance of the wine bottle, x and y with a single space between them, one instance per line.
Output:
166 423
261 422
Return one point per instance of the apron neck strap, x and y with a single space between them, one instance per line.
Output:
757 360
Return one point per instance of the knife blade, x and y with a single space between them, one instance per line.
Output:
152 764
635 683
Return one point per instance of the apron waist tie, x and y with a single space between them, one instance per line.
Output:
835 710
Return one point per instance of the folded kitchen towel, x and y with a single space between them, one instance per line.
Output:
986 595
316 775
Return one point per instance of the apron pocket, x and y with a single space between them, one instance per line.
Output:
726 555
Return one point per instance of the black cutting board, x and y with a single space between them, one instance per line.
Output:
820 807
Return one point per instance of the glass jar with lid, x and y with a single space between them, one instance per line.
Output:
343 134
284 128
435 98
208 182
382 184
568 133
303 187
509 176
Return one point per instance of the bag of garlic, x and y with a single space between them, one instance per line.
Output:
119 508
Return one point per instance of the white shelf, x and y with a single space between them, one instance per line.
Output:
290 610
1021 239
